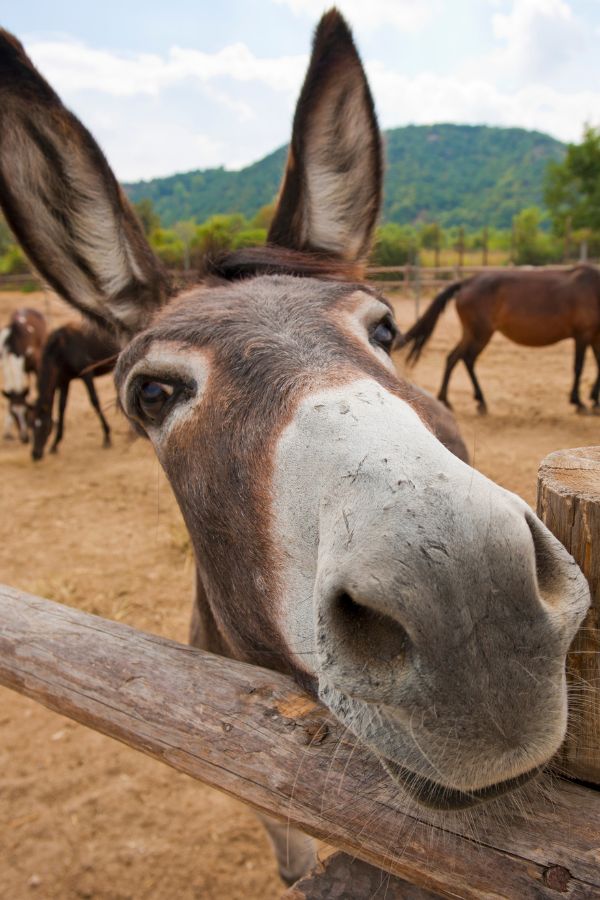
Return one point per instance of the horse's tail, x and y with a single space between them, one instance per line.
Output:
422 330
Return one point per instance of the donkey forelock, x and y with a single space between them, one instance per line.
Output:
336 537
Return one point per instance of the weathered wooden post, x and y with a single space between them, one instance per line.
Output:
569 504
437 246
417 285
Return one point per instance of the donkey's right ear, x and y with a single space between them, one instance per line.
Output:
65 206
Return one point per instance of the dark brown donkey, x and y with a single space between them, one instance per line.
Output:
70 352
534 308
21 344
336 538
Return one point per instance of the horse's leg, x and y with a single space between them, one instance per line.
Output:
575 399
453 357
63 394
469 358
89 383
8 426
595 392
295 851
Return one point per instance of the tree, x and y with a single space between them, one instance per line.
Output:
431 236
532 246
168 247
186 231
395 245
264 216
572 187
14 262
250 237
216 235
147 215
6 238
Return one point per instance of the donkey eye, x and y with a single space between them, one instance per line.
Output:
383 334
153 397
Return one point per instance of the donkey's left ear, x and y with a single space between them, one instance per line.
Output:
65 207
331 192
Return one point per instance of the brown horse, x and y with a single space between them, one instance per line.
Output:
534 309
336 538
21 344
70 352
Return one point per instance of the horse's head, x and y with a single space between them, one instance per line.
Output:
336 537
41 424
16 383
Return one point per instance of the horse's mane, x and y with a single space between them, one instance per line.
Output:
272 260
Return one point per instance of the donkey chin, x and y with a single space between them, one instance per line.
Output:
449 774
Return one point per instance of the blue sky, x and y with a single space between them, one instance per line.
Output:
173 86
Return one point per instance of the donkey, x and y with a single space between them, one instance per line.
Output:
530 308
336 538
21 344
70 352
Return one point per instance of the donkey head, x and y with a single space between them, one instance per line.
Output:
336 537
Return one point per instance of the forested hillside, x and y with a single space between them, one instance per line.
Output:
452 174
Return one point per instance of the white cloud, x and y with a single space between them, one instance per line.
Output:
157 114
181 149
71 65
405 15
184 105
539 37
429 98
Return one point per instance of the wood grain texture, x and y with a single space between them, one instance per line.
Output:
569 504
254 734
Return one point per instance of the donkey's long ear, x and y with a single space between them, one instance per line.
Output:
65 206
331 192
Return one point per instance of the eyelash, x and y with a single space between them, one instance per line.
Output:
137 409
389 323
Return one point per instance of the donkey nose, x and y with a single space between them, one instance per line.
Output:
363 636
381 612
562 589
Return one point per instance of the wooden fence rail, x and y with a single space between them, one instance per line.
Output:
254 734
408 276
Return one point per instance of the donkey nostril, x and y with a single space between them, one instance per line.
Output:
349 609
549 562
364 629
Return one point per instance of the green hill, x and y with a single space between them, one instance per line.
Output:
452 174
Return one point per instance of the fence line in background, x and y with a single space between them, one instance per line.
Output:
411 276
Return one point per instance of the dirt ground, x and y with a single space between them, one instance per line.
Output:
82 816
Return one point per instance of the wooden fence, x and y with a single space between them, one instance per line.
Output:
18 282
253 734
